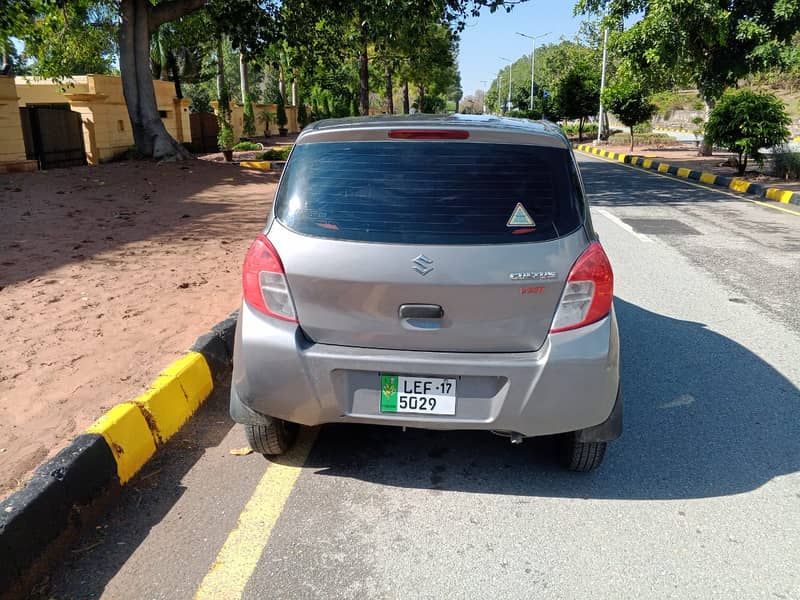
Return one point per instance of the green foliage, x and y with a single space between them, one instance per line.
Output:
629 102
745 121
247 146
280 115
711 44
225 137
201 100
77 38
281 153
248 118
302 113
787 164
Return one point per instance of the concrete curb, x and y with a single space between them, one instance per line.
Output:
60 497
732 183
263 165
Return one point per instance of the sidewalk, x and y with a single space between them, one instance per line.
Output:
685 156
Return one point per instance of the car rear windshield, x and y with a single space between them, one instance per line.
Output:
429 192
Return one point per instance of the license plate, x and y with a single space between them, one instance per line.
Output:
422 395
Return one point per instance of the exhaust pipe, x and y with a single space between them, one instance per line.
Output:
516 438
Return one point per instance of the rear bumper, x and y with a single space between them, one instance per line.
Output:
570 383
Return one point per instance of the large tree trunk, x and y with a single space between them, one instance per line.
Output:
138 20
421 98
706 149
406 101
363 74
631 138
389 90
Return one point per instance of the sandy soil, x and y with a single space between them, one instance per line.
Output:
107 274
682 155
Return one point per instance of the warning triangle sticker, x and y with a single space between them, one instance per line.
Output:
520 217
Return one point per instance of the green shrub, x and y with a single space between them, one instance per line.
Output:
276 153
745 121
280 115
245 146
248 118
225 137
787 163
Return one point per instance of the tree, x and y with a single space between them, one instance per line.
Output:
745 121
247 22
578 95
79 38
711 44
629 102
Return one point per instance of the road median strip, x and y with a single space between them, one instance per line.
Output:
733 183
58 500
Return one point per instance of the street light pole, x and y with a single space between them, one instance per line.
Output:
508 101
483 83
602 85
533 39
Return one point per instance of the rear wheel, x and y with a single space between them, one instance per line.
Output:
272 439
581 456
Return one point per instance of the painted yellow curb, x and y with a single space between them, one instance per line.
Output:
663 168
256 164
708 178
128 435
739 185
134 429
780 195
684 172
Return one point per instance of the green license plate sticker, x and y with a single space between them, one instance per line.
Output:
419 395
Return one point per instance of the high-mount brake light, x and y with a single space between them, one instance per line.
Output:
588 293
429 134
264 281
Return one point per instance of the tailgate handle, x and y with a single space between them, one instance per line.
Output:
421 311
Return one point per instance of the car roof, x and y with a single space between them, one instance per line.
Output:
489 126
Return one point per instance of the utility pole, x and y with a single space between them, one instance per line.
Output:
508 101
533 38
483 83
602 85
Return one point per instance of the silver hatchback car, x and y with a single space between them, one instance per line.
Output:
431 272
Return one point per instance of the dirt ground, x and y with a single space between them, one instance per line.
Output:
684 155
107 274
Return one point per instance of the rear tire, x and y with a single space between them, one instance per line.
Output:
581 456
272 439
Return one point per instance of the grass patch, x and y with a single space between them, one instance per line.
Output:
276 153
641 138
247 146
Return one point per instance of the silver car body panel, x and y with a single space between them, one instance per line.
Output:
570 383
494 337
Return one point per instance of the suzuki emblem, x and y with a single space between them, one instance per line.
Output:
422 265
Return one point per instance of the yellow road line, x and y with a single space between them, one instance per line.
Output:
239 555
708 188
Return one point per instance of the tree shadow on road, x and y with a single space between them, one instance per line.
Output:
704 417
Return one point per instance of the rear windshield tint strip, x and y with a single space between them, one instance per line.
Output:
428 192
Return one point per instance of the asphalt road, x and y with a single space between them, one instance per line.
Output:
699 499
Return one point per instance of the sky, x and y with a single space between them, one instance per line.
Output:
490 36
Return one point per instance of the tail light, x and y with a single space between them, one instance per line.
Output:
264 281
429 134
589 291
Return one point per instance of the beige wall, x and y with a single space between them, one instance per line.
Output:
100 101
237 119
12 145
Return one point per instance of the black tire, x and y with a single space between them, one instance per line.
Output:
581 456
272 439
